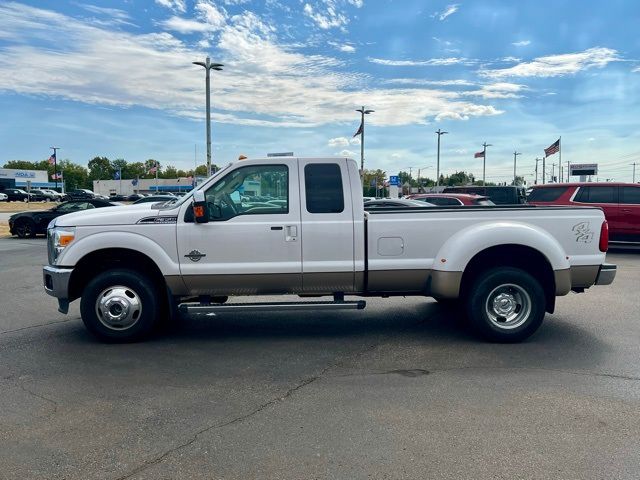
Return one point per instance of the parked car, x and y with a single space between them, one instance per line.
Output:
4 197
135 196
387 203
503 266
17 195
502 195
79 194
117 197
620 203
451 199
32 223
155 199
47 194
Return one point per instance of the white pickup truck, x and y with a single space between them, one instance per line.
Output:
297 226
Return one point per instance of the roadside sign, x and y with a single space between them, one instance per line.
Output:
576 169
394 180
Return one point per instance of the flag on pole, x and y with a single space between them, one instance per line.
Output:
134 182
553 148
478 154
52 158
116 176
153 169
56 176
360 128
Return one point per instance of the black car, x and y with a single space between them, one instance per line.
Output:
135 196
155 199
79 194
117 197
18 195
387 203
29 224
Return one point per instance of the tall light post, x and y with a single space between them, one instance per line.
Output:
360 132
439 133
208 66
537 160
484 161
55 164
515 155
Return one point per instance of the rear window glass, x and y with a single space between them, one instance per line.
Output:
630 195
323 187
597 194
547 194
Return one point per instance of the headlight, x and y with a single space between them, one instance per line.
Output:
57 240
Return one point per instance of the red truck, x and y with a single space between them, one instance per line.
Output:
619 201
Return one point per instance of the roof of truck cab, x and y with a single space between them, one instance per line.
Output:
587 184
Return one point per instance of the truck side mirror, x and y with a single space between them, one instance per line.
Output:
200 210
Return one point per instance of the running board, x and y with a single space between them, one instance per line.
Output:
269 307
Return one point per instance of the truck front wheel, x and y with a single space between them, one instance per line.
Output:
120 306
505 305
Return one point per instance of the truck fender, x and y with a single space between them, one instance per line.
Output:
458 251
131 241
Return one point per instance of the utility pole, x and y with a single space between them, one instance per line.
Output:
553 172
537 160
484 161
544 169
515 156
634 171
208 66
360 132
55 164
568 171
439 133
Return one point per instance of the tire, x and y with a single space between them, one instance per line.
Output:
140 307
26 229
505 305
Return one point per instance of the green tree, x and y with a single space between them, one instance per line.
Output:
148 165
201 171
170 172
74 175
135 170
519 181
100 168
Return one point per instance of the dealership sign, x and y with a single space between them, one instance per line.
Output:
578 169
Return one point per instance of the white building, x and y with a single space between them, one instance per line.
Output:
144 185
38 178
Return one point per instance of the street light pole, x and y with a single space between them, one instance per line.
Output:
484 161
55 164
515 155
537 160
634 171
439 133
363 112
208 66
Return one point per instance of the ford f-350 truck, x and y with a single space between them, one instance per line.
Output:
297 226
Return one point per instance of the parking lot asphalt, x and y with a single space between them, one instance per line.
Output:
399 390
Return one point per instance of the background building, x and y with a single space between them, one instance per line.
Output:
18 178
144 185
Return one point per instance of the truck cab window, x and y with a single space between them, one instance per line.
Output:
250 190
323 187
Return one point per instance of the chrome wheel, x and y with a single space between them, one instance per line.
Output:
118 307
508 306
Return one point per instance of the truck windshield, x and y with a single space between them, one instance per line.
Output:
188 196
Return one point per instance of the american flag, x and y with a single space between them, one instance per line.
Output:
360 129
52 159
56 176
479 154
153 169
553 148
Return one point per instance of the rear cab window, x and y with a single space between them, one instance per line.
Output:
597 194
630 195
323 187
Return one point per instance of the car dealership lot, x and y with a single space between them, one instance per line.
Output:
400 390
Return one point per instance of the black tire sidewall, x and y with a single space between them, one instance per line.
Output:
481 289
23 224
139 283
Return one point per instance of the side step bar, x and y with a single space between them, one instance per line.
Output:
269 307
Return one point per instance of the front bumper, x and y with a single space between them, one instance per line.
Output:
56 284
606 274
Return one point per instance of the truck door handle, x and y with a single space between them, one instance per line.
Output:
291 233
277 228
626 210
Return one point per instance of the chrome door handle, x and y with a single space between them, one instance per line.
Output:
291 233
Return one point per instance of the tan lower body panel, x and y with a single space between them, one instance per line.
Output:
250 284
445 284
328 282
563 281
398 280
584 275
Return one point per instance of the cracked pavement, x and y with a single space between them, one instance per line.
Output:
400 390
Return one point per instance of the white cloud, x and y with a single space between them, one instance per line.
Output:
423 81
637 69
329 18
178 5
343 47
510 59
449 10
419 63
498 90
348 153
185 25
211 14
339 142
521 43
290 89
558 65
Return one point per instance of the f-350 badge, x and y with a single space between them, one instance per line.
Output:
582 232
195 255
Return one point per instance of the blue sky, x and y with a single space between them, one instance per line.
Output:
115 78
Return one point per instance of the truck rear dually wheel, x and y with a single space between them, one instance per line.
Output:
505 305
120 306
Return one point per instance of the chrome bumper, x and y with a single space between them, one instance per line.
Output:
56 284
606 274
